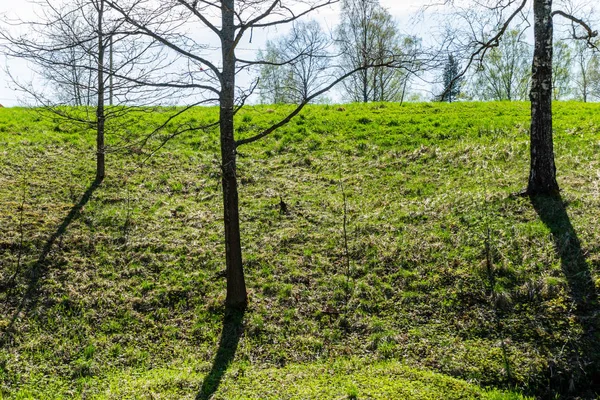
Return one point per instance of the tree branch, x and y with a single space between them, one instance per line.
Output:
307 100
485 46
159 38
590 33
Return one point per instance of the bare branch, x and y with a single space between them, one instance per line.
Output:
485 46
306 101
255 23
199 15
590 33
143 29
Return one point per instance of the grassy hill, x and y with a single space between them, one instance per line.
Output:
117 292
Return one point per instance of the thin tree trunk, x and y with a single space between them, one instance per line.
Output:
365 51
100 117
236 285
542 175
375 86
365 86
90 84
111 70
75 77
585 84
404 84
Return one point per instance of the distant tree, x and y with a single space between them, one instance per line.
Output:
506 71
452 80
274 80
586 72
368 35
561 68
294 65
594 78
71 73
68 48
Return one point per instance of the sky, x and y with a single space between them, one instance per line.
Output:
401 10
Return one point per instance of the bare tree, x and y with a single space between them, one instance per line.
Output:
214 78
586 65
68 48
367 35
84 58
500 15
295 64
561 70
505 73
70 85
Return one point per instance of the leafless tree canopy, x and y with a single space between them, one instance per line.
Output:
62 45
296 65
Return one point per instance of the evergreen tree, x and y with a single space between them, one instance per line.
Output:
452 84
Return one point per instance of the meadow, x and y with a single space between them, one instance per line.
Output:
452 286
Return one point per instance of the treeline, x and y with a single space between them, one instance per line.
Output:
506 73
365 39
367 32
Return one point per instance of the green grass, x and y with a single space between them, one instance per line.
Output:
341 379
127 301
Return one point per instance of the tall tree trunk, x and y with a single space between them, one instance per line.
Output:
542 175
236 285
365 51
100 117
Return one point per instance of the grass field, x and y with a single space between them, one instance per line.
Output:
456 288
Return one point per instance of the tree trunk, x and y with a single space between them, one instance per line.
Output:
75 78
111 71
365 86
100 117
236 285
542 175
585 84
365 50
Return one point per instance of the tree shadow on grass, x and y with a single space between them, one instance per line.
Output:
230 337
585 357
39 268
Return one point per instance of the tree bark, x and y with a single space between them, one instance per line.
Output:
365 86
542 175
100 117
236 285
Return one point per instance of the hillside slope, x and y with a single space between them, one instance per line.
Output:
117 291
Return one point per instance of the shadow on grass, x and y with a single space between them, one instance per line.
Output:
585 356
230 337
39 268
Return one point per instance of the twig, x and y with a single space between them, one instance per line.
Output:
21 229
345 230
